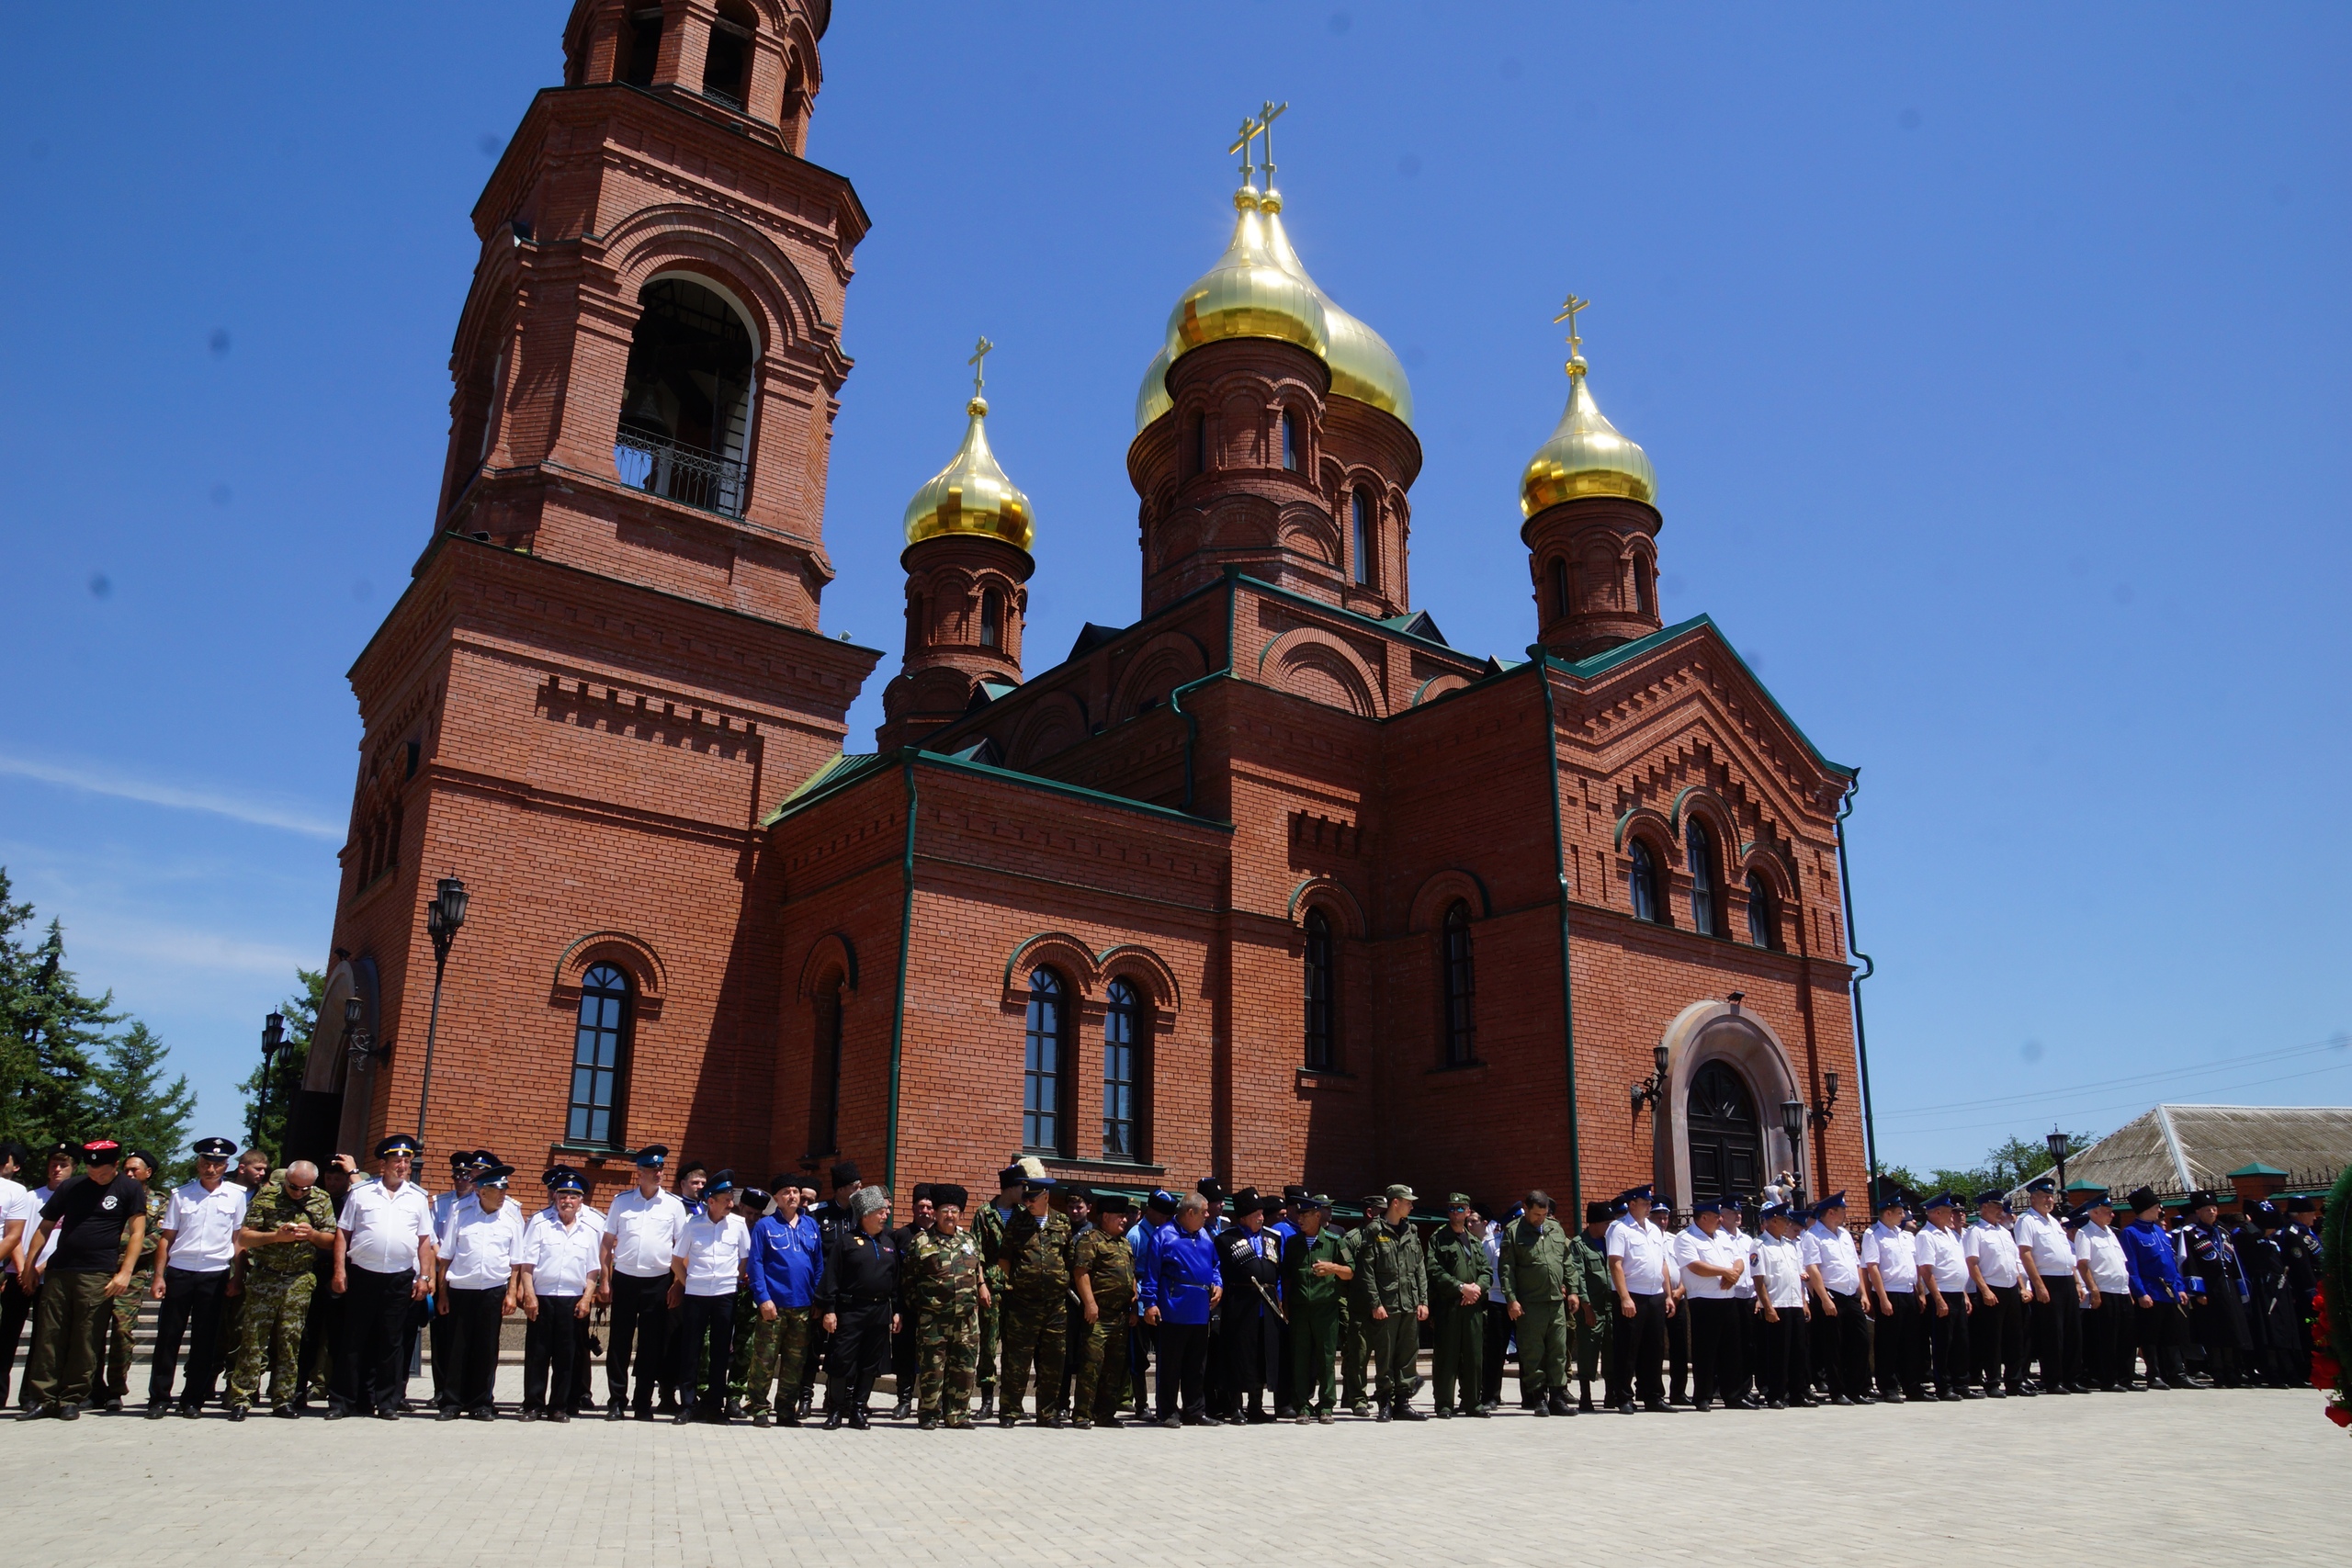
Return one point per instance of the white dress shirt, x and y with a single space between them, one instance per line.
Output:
1892 1251
482 1245
1943 1266
1779 1272
1832 1252
203 1226
2046 1241
645 1232
714 1251
1493 1242
16 1206
1746 1246
1641 1247
384 1224
2096 1245
1995 1252
561 1256
1695 1246
38 1199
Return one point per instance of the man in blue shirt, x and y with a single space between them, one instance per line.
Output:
1177 1296
787 1257
1157 1210
2162 1298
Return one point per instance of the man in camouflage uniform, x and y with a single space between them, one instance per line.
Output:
290 1221
1590 1287
988 1233
1318 1263
1034 1323
122 1318
1457 1291
1105 1269
1392 1298
1355 1327
1536 1270
940 1278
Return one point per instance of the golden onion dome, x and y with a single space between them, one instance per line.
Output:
1585 455
1363 364
971 495
1247 294
1151 398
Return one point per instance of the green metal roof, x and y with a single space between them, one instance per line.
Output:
2256 1168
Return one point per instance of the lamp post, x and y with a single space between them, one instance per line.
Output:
1793 1116
364 1050
1652 1090
443 916
2057 1145
273 1040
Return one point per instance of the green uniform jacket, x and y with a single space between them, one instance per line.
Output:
1456 1260
274 1206
1535 1263
1392 1270
1301 1253
988 1229
1109 1263
1036 1253
941 1273
1588 1274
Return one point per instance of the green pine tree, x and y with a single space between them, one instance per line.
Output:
265 1116
128 1103
49 1032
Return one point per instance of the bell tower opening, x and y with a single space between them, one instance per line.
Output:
686 402
726 63
640 46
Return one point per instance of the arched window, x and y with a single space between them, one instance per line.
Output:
1041 1071
1642 882
599 1050
1125 1026
643 39
1763 918
1645 589
1454 962
825 1070
1360 506
915 603
1706 905
1560 605
1199 444
992 618
1290 441
686 399
1319 1052
727 64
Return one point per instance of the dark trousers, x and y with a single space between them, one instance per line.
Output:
1714 1347
905 1364
1183 1365
1459 1340
641 1334
1998 1334
1140 1339
1490 1370
370 1374
67 1325
709 1320
1779 1356
551 1353
1677 1353
1949 1356
15 1311
1241 1358
2107 1332
2058 1334
853 1357
322 1343
470 1330
1902 1346
1636 1347
2163 1339
1841 1346
438 1328
191 1302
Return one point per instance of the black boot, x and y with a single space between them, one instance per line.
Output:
834 1418
987 1405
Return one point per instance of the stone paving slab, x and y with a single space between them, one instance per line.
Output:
2164 1467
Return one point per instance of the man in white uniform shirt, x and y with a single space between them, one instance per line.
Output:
1841 1318
1892 1271
704 1272
383 1264
194 1247
2105 1275
2048 1254
581 1397
20 1217
1709 1263
1743 1290
641 1230
463 1164
1781 1277
1997 1277
1943 1282
556 1284
480 1251
1639 1267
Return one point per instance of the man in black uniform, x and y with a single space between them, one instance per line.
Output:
905 1364
1250 1260
856 1296
2219 1295
833 1218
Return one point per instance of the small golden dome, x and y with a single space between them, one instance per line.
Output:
1363 364
1585 456
1247 294
1151 398
971 495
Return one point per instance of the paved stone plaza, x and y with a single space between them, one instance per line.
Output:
2236 1477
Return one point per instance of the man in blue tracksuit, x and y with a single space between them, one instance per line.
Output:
1157 1210
2158 1293
788 1256
1176 1296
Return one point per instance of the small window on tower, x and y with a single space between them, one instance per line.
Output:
1645 591
1199 444
1290 441
992 618
1360 504
644 39
726 65
1559 589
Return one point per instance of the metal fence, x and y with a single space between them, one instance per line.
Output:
659 465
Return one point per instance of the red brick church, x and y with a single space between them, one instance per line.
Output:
1265 880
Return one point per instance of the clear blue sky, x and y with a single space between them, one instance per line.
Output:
1992 361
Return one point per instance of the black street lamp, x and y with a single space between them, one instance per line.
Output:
361 1042
2057 1145
273 1040
1793 1116
443 916
1652 1090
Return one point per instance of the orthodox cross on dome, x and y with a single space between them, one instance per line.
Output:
1569 308
1243 142
1267 113
980 353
